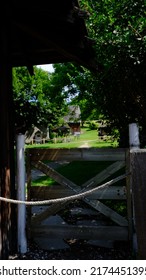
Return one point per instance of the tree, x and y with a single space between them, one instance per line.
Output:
118 28
78 85
117 90
36 100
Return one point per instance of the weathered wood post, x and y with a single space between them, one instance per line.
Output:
22 242
28 174
48 133
138 183
134 144
8 223
138 178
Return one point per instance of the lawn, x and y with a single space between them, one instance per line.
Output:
78 172
87 138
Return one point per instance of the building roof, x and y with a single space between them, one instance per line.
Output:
74 114
45 32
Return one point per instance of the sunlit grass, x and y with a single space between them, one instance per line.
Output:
87 137
76 171
43 181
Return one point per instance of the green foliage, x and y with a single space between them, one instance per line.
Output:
118 89
36 100
93 126
43 181
118 28
118 206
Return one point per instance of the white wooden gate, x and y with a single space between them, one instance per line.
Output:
121 227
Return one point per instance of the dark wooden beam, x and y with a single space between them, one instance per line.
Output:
7 181
81 232
138 180
74 49
79 154
57 191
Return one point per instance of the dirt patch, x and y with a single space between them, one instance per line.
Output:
85 145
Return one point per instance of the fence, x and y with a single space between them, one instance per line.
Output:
121 227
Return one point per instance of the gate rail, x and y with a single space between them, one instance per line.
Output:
35 158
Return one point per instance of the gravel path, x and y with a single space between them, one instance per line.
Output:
79 250
85 145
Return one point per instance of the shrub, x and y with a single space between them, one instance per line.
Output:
93 126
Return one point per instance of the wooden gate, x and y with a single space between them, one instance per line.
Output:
120 228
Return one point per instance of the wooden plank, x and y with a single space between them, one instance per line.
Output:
77 154
28 176
138 177
66 182
129 198
106 155
81 232
106 193
57 191
108 212
105 174
112 192
96 204
59 179
51 210
54 174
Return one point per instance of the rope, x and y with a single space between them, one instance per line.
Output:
67 198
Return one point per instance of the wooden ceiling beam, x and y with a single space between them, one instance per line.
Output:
66 52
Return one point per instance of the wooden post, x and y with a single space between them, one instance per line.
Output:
48 133
7 165
138 177
129 199
28 171
22 243
134 144
134 136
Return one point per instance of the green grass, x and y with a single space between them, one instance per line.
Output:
43 181
87 136
78 172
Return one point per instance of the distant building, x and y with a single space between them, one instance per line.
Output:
36 135
73 119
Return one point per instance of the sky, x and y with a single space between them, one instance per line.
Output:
47 67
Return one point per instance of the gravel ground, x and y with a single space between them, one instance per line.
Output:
77 249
